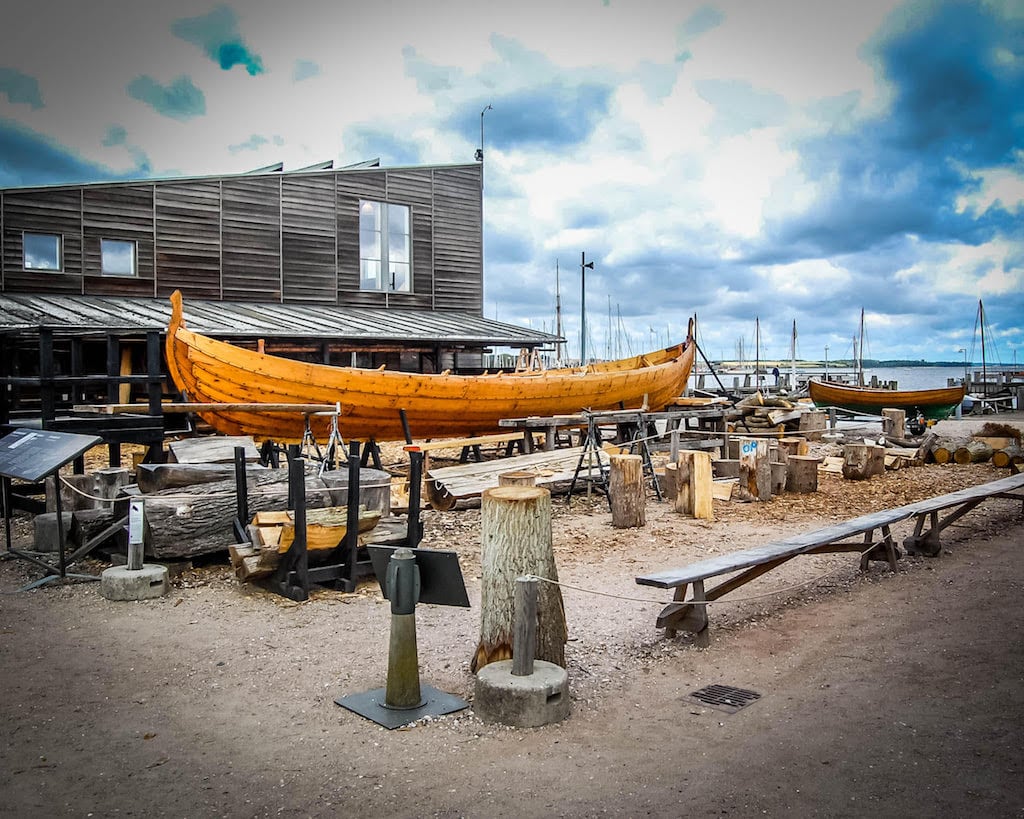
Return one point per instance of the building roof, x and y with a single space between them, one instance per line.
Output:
90 315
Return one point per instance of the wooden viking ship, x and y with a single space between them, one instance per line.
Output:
209 371
933 404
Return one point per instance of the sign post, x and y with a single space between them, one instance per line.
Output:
407 577
31 455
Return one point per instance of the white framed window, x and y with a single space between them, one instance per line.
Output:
385 247
118 258
42 251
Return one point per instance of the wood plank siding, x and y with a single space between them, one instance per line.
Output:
188 239
271 237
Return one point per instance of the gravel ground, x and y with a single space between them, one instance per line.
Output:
884 693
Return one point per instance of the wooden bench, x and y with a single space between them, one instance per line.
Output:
691 615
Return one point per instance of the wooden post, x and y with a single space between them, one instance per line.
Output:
894 422
861 461
524 643
515 533
626 491
803 473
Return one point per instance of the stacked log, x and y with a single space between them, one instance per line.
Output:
1008 457
972 452
942 451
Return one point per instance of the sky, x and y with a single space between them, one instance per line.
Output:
753 164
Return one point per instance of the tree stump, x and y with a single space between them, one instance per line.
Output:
894 422
802 476
695 486
790 446
973 452
755 478
779 471
670 483
626 491
515 533
517 478
726 468
812 424
861 461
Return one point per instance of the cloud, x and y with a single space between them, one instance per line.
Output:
430 78
954 112
364 142
255 142
217 35
28 158
739 107
554 117
304 69
116 135
20 88
700 22
180 100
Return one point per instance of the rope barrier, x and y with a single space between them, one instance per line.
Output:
263 493
645 600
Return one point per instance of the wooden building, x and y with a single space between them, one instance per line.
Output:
360 265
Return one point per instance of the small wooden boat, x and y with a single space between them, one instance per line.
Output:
209 371
933 404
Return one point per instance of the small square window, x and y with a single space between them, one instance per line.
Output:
41 251
118 258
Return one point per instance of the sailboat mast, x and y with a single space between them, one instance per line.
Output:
792 356
757 351
558 319
860 352
984 368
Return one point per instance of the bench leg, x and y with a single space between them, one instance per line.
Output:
684 616
927 543
883 550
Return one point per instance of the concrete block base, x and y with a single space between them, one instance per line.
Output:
44 527
122 583
540 698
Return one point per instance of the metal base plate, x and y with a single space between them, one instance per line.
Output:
370 704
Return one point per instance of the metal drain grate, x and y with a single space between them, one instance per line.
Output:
724 697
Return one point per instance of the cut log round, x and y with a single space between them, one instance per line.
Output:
515 533
1003 458
803 473
861 461
973 452
626 491
942 451
894 422
517 478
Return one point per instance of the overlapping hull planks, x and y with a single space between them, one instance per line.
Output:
207 370
934 404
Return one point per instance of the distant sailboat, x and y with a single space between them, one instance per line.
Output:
934 404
